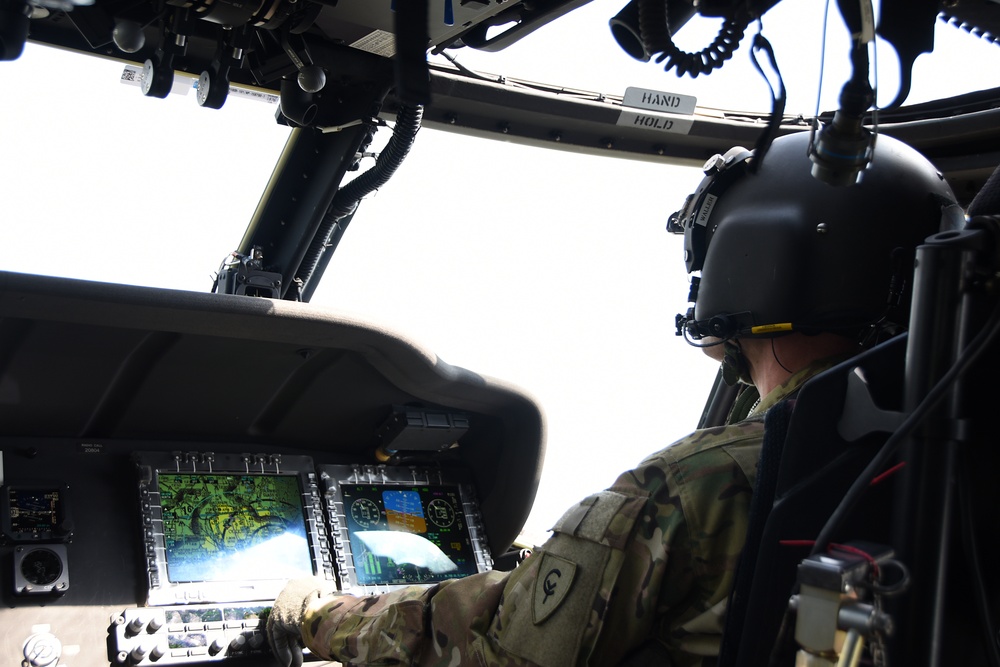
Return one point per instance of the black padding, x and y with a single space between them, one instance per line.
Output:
987 200
775 429
806 473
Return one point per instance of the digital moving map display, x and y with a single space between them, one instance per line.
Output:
400 526
230 527
233 527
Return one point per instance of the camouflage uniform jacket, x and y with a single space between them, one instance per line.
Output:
651 557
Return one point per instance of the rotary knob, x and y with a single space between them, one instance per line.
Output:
42 650
217 646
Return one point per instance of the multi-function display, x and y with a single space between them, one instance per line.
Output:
237 527
399 526
407 534
223 528
228 527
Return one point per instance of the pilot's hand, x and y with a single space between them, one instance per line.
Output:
284 622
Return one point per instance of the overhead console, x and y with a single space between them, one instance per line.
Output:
211 44
169 460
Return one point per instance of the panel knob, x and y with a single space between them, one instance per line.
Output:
42 650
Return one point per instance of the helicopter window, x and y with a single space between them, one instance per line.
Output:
497 256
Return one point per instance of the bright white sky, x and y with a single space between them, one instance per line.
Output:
550 270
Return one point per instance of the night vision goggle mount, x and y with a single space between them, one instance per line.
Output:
693 217
721 171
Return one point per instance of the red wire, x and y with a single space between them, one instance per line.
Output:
836 547
894 469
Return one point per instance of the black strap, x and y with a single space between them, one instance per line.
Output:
778 99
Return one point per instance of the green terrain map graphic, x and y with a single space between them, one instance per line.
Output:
210 517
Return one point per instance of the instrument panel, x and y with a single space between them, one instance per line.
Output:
178 554
169 460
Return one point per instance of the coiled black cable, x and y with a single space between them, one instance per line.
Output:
348 197
654 26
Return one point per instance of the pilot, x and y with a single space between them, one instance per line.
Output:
796 276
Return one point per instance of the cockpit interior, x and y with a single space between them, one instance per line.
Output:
170 458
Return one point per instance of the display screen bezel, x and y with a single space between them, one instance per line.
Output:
169 579
343 484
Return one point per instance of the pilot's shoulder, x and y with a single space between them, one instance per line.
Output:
720 456
706 444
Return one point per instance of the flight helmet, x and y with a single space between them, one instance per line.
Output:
780 250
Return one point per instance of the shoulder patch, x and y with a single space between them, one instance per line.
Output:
553 581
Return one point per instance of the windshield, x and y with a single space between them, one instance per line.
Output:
551 270
810 45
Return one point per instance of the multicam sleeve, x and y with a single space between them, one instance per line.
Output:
556 602
710 476
672 546
622 567
437 625
549 611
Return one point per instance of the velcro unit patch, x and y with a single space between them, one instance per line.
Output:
554 580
